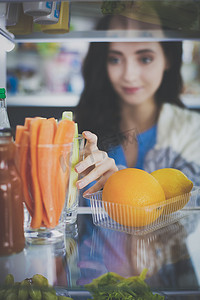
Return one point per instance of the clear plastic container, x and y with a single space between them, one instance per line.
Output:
12 14
37 8
63 24
51 18
24 25
3 8
114 216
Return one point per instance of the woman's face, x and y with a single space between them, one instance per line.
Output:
135 70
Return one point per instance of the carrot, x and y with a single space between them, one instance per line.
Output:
27 122
45 169
38 205
22 137
22 144
65 132
18 134
45 221
24 170
47 131
63 138
55 124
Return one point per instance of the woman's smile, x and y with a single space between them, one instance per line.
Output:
131 90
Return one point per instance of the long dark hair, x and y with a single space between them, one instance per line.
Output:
98 109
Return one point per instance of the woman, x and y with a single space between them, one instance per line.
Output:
131 102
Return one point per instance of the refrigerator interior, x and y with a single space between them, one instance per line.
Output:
42 72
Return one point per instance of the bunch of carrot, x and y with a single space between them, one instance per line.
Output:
43 159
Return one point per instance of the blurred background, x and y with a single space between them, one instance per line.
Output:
46 77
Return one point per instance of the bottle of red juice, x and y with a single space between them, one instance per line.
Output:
11 198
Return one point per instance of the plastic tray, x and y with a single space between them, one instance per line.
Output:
126 218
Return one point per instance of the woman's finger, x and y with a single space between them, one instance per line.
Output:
91 144
94 158
106 165
99 184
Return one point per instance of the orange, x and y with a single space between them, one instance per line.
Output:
176 187
132 197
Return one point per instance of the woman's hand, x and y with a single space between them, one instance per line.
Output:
96 165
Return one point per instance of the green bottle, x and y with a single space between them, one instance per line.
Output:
4 121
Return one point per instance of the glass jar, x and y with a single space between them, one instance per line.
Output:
11 198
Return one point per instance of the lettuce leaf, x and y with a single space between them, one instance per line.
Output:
111 286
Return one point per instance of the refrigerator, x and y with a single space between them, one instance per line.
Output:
42 69
41 58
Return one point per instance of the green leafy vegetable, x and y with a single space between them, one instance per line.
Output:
111 286
112 7
35 288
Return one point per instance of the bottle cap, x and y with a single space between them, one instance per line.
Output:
5 132
2 93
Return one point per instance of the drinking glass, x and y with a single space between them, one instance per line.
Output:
45 172
72 196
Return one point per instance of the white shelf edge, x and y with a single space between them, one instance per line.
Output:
69 99
65 99
108 36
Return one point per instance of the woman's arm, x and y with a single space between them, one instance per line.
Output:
95 166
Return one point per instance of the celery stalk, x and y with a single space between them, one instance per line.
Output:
67 115
72 191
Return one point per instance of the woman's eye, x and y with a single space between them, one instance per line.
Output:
146 59
113 60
